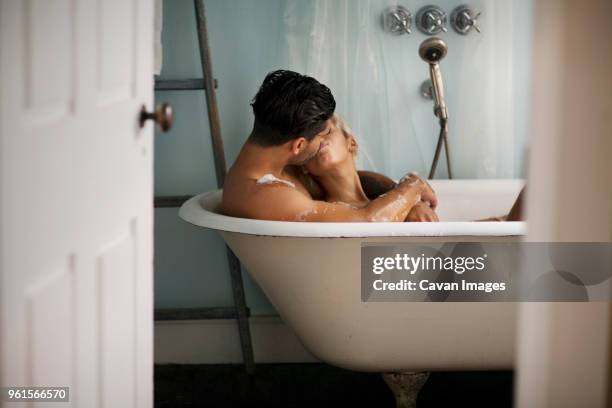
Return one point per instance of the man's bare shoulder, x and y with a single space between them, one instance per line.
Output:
266 197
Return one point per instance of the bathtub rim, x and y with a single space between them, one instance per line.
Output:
198 211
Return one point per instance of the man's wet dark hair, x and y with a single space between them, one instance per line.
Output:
290 105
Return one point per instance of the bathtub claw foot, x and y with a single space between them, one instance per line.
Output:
405 387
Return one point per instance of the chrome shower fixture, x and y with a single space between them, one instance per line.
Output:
431 20
426 89
432 51
463 19
397 20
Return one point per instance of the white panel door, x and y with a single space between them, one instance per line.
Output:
76 199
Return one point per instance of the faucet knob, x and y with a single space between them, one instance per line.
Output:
474 21
402 24
441 22
431 20
463 20
397 20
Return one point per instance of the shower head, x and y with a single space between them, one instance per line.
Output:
432 50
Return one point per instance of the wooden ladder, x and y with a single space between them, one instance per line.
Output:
240 312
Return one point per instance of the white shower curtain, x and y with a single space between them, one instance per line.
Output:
375 78
335 42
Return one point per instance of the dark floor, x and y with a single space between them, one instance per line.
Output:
318 385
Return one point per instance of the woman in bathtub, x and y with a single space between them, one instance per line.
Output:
332 176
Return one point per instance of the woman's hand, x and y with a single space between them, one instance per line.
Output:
422 212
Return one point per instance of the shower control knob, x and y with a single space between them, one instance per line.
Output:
463 20
431 20
397 20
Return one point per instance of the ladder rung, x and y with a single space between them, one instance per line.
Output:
180 84
199 313
170 201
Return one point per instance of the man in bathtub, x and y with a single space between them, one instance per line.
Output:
294 127
298 164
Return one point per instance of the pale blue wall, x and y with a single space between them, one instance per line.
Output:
190 263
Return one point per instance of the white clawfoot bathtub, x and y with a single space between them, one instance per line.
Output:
311 273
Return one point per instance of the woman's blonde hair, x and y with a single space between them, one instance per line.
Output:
316 191
341 124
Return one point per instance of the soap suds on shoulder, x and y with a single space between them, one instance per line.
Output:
271 178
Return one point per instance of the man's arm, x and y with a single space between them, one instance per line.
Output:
421 212
375 184
283 203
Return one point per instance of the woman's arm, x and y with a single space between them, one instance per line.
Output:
375 184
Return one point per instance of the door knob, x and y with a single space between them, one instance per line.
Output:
163 116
